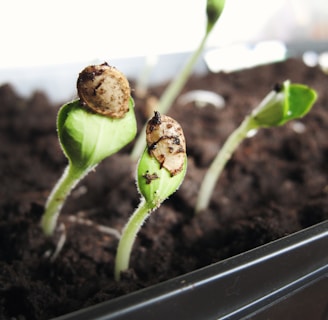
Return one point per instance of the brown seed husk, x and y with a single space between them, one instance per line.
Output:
166 142
105 90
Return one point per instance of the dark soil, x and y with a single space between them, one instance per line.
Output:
275 184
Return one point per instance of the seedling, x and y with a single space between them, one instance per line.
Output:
286 102
90 129
161 170
214 9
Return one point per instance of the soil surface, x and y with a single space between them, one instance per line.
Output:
275 184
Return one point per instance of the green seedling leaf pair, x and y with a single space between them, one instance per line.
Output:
91 129
87 138
285 103
161 170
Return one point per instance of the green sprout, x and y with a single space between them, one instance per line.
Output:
90 129
161 170
214 9
286 102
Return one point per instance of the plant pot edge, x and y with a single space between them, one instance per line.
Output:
234 288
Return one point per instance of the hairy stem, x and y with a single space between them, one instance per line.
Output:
57 197
129 234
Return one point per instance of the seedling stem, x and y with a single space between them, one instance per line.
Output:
161 170
286 102
214 10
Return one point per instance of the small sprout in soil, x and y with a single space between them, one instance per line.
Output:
91 129
214 9
161 170
284 103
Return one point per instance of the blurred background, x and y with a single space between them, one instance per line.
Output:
43 38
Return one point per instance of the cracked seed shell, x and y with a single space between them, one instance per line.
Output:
166 142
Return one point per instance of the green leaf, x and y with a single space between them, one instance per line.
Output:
290 101
156 183
270 111
299 102
214 10
87 138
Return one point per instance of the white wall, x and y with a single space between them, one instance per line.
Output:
45 43
39 32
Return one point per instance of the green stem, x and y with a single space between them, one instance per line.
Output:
170 95
67 182
216 167
128 236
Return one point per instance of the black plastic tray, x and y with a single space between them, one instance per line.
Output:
285 279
